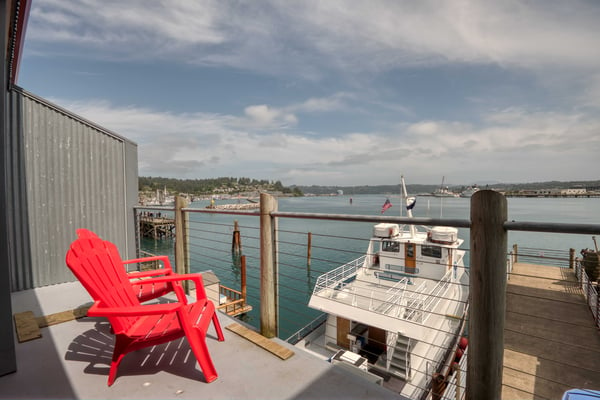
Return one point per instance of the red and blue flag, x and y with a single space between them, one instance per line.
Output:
386 205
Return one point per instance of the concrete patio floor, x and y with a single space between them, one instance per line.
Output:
71 360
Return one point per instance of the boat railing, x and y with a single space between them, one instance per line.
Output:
339 276
394 300
460 258
391 339
307 329
436 295
415 302
457 381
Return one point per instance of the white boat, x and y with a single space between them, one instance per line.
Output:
398 309
444 191
470 191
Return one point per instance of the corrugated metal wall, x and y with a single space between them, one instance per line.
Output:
72 174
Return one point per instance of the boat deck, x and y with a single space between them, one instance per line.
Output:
373 293
550 341
370 292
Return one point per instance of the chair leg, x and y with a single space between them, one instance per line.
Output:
198 344
118 354
217 325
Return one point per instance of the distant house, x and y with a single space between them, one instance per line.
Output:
573 191
548 192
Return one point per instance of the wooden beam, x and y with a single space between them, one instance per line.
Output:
274 348
28 325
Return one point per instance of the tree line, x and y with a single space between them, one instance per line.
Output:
212 185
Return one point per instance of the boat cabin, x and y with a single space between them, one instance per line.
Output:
398 253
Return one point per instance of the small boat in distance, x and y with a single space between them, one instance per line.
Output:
397 312
443 191
470 191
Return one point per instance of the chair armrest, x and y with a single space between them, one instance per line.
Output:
164 259
149 273
196 278
97 310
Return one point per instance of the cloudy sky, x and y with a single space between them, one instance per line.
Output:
331 92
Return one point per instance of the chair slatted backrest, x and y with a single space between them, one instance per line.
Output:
99 267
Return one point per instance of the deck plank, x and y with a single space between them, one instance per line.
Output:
550 341
261 341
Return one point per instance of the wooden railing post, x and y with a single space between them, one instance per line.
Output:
268 266
516 252
182 263
487 296
572 258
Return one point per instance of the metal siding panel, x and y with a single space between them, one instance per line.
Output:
131 196
20 276
77 175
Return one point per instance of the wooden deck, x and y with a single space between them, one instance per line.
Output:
550 341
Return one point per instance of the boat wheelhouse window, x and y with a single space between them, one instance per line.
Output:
390 246
431 251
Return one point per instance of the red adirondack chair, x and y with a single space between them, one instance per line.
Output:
144 289
98 266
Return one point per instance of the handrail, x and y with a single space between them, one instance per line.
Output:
395 298
338 275
414 299
590 293
434 297
305 330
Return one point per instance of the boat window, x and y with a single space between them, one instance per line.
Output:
431 251
410 250
390 246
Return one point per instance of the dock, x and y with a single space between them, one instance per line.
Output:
551 343
234 206
156 227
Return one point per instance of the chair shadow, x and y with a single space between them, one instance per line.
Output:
95 346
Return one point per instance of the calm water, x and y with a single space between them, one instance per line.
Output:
334 243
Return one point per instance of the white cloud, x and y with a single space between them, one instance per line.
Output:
264 116
511 146
303 37
335 102
546 41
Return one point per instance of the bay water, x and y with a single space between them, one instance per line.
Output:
335 243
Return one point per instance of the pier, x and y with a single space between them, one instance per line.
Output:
156 226
551 343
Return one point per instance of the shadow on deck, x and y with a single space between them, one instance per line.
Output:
71 360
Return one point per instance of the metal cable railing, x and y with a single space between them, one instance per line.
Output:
301 266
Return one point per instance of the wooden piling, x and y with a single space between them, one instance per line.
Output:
268 267
487 296
236 241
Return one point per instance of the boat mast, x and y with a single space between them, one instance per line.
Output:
403 196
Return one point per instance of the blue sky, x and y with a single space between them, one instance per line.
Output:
331 92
